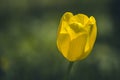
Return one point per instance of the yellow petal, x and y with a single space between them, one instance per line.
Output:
64 22
92 37
93 32
76 47
66 16
92 20
81 18
75 29
63 42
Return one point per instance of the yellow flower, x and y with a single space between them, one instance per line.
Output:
76 36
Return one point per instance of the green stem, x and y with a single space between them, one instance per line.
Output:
69 70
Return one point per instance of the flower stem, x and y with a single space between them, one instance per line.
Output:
69 70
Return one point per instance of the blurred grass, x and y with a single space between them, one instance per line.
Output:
28 40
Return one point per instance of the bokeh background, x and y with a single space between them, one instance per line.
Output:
28 48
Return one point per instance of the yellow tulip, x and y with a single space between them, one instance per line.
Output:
76 36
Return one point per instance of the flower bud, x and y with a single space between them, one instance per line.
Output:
76 36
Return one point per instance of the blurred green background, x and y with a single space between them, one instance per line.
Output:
28 48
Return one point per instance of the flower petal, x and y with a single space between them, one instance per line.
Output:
93 32
76 47
63 42
64 22
92 37
66 17
82 18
